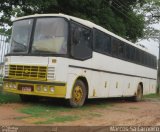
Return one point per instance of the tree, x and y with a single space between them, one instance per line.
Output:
151 8
118 16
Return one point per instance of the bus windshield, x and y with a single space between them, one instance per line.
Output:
21 36
50 36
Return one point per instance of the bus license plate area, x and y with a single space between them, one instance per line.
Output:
26 88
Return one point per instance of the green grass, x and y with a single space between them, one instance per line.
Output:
152 96
59 119
38 110
50 114
8 98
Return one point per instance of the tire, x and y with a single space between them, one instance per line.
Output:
29 98
139 94
79 94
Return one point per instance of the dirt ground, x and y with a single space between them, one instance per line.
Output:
146 113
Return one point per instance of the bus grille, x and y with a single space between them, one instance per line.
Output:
28 72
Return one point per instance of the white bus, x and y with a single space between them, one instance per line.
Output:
60 56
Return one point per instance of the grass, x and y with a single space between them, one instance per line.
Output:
40 110
60 119
8 98
152 96
51 113
48 114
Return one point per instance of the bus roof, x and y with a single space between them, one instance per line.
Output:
86 23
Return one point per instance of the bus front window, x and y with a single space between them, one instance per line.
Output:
21 36
50 36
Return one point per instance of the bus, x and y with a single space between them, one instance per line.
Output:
61 56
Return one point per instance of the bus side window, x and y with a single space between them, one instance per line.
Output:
115 45
102 42
132 53
81 41
121 49
127 52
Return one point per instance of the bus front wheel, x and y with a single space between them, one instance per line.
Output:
79 94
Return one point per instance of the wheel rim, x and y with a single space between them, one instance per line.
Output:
78 94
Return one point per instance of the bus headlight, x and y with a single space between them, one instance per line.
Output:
45 89
38 87
14 86
52 89
10 85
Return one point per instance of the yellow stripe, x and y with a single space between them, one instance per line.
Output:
59 91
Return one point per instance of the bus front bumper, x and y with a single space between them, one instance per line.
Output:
37 88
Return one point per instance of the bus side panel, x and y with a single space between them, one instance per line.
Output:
130 87
100 85
149 87
116 86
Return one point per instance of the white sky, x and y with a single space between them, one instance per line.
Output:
152 45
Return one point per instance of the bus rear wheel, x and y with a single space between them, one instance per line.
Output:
79 94
139 94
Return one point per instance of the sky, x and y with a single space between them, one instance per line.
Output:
152 45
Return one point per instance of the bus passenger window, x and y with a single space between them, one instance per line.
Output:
115 45
132 53
81 41
127 52
80 35
102 42
121 50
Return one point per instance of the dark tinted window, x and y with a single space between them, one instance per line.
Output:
81 41
141 57
81 35
127 52
145 58
115 46
119 49
102 42
121 52
138 56
152 61
132 53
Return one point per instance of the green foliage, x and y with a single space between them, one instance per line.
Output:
118 16
8 98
